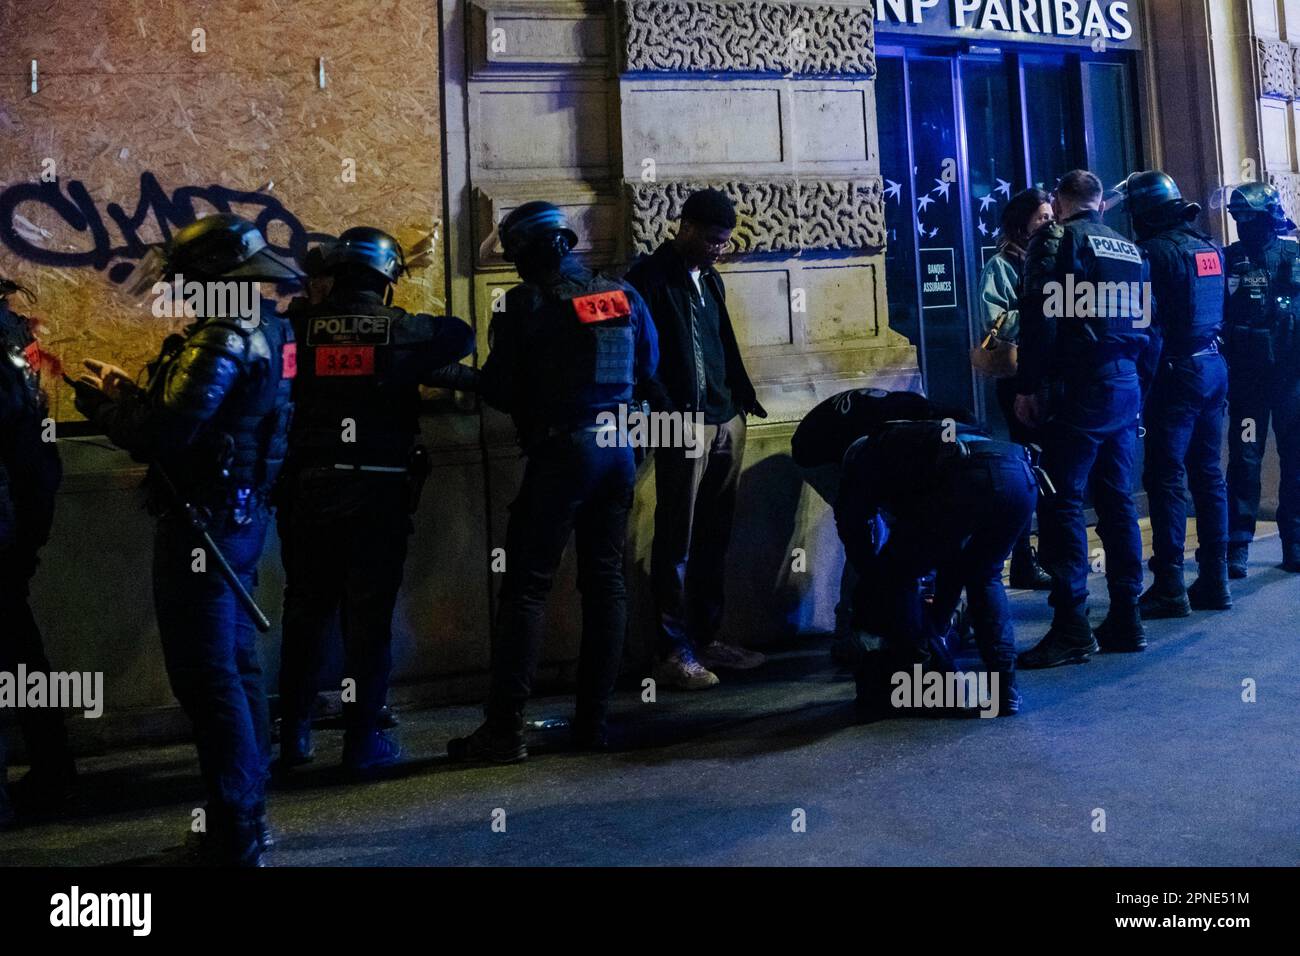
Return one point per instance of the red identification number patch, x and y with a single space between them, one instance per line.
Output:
1208 264
289 360
345 360
602 306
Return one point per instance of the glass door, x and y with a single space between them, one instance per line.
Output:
939 223
960 134
995 162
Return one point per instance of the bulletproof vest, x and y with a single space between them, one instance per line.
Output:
1263 308
1111 267
357 393
1191 313
578 333
243 446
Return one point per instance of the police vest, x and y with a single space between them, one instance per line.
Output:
1263 306
357 393
1112 268
581 342
1192 314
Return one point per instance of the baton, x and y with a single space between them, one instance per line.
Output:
195 520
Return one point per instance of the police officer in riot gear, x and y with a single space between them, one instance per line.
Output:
1084 365
956 502
569 346
1184 411
1262 344
212 421
352 483
30 472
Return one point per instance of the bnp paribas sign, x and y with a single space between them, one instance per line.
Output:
1102 24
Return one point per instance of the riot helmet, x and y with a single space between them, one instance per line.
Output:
367 248
1257 210
538 229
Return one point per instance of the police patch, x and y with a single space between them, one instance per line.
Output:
1208 264
602 306
349 330
1112 247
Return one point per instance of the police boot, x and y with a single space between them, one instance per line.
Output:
1026 573
1209 592
243 845
871 678
1167 597
498 740
1068 641
1238 561
590 729
296 746
1291 558
1122 631
232 838
365 751
1009 699
265 835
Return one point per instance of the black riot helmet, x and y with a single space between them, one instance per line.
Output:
1154 195
1257 206
537 226
221 246
226 247
367 248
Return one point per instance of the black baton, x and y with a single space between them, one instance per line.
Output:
227 572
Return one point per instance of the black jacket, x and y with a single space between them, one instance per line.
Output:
665 284
30 471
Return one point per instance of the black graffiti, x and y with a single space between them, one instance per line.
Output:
97 246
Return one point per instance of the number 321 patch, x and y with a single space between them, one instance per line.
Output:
1208 264
602 306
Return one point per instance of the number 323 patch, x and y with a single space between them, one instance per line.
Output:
602 306
345 360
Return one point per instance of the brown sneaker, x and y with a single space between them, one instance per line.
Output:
730 657
684 672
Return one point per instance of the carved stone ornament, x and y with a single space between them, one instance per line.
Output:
1288 187
749 36
786 215
1277 70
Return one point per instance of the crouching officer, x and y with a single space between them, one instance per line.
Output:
212 422
569 346
352 484
1084 363
956 503
30 473
1186 407
1262 337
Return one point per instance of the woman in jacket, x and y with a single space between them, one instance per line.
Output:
999 283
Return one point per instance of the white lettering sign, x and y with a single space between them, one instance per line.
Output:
1079 19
